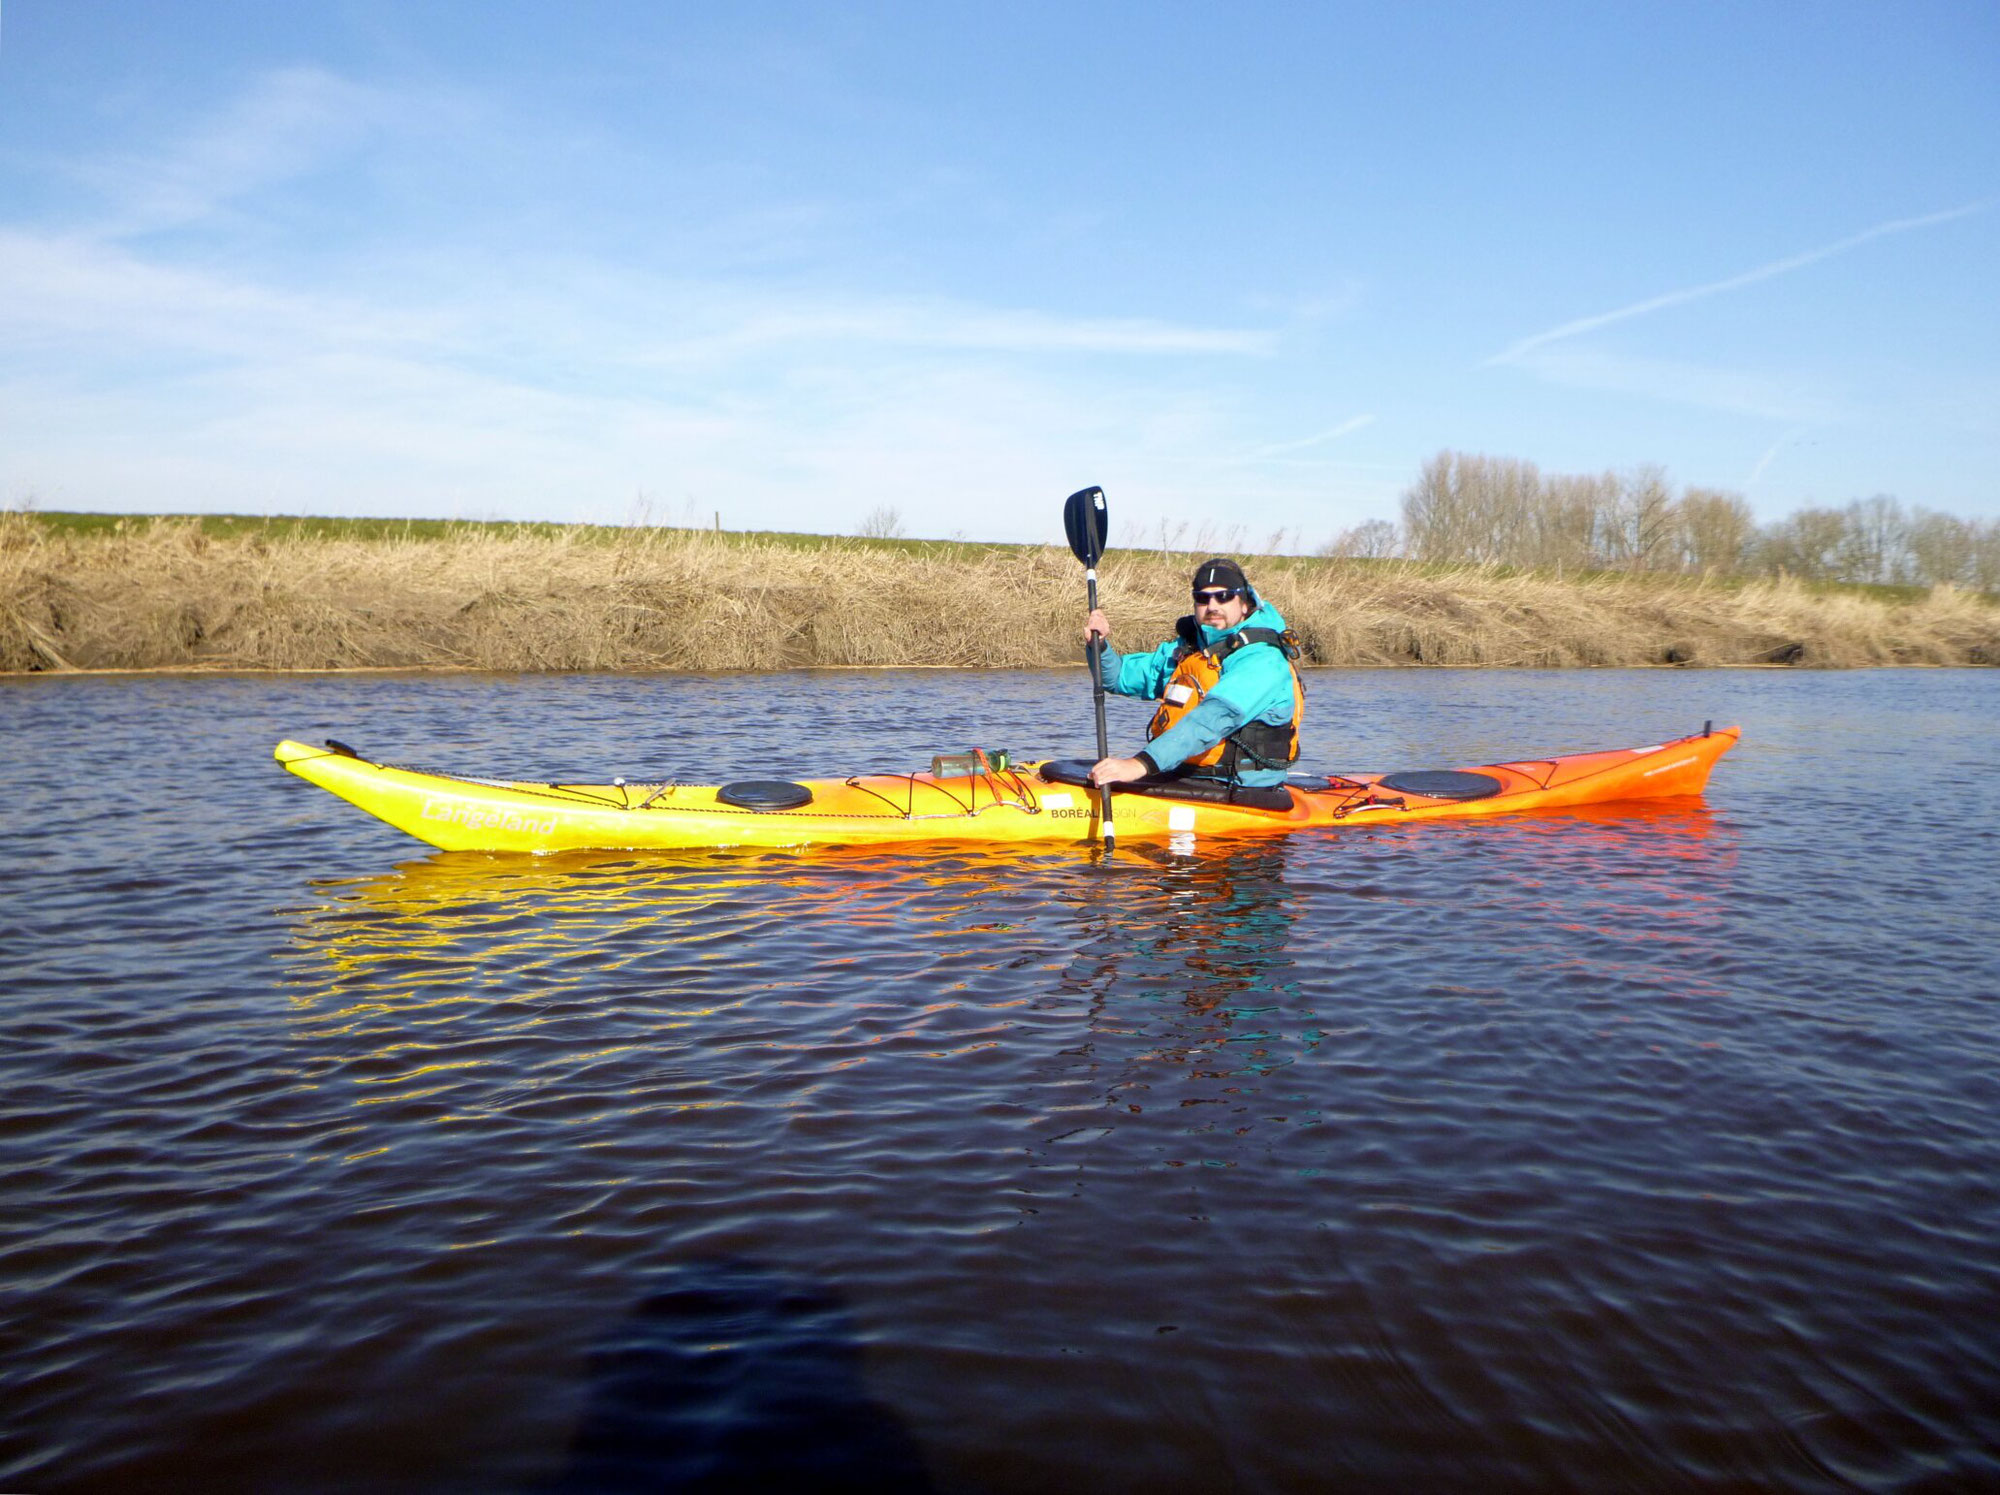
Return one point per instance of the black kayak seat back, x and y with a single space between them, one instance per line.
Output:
1076 771
1441 783
765 794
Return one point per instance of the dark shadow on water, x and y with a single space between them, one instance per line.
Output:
734 1377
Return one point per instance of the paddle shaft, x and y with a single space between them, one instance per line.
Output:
1097 700
1086 521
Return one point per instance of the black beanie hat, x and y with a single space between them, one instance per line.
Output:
1220 572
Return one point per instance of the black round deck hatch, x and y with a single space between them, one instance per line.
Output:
1441 783
765 794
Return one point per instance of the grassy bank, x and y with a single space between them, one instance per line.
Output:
320 594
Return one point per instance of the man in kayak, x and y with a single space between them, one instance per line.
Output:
1230 697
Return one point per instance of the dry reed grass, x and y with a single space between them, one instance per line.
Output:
162 594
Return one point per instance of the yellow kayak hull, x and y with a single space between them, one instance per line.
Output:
1010 805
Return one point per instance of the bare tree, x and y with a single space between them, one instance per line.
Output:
1640 525
883 523
1940 547
1983 567
1714 531
1566 521
1435 518
1471 508
1806 543
1876 545
1511 491
1371 540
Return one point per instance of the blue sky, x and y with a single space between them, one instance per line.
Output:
1247 266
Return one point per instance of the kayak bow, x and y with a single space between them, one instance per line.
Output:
1010 804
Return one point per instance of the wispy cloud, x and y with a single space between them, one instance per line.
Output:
127 378
1333 433
82 298
1734 282
530 379
286 124
71 291
955 325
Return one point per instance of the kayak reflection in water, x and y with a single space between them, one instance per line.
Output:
1229 692
1198 973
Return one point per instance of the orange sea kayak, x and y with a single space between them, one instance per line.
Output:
1035 801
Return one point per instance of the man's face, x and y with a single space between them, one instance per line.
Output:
1220 607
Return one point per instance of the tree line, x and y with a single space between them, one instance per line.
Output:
1467 508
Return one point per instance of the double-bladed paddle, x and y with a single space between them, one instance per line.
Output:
1085 521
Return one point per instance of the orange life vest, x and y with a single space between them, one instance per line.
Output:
1197 667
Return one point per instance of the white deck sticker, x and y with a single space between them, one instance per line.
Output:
1058 802
1180 818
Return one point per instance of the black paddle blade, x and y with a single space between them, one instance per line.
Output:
1085 520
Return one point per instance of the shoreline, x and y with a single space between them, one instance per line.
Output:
116 672
167 597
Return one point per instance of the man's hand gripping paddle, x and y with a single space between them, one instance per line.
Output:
1085 521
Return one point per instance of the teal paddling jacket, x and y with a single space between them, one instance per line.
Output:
1256 685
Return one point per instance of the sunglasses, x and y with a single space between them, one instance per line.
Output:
1216 595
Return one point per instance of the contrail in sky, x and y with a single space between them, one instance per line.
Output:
1771 453
1748 277
1347 427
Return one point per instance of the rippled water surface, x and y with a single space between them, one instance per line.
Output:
1637 1148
